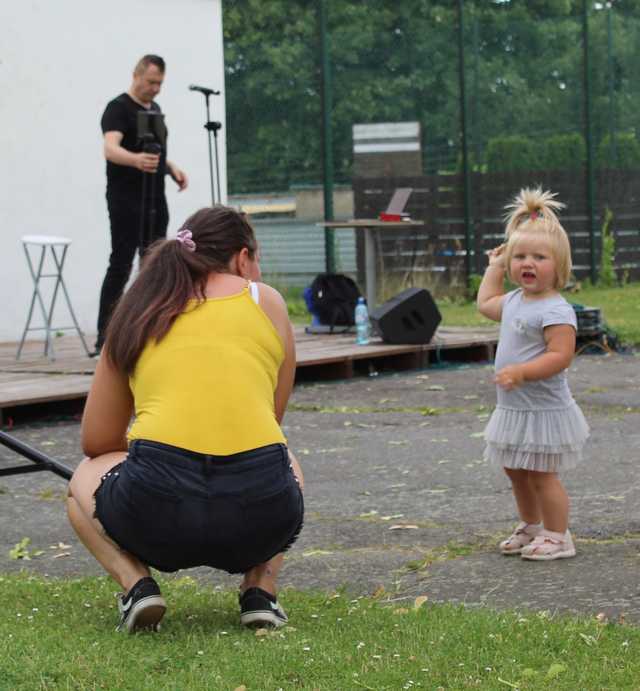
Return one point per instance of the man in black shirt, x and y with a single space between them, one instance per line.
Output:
136 221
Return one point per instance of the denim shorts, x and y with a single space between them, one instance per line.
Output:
175 509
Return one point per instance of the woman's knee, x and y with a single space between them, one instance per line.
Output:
88 474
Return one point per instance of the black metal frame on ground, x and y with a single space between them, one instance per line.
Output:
41 461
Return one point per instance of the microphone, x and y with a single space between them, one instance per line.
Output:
203 90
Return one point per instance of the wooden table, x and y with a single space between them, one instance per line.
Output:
368 225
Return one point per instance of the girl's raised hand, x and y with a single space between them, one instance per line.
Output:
496 256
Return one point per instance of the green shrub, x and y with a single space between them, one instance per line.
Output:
473 285
627 152
607 277
565 152
516 152
476 166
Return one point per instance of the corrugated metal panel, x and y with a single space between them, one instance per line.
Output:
292 253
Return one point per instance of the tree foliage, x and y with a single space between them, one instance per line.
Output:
565 152
515 152
624 154
399 61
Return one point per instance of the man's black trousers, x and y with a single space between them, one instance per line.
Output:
125 220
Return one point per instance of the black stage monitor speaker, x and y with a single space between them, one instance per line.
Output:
409 317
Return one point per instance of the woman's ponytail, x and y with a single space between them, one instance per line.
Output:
172 273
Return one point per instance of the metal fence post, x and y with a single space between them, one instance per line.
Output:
465 142
589 140
327 142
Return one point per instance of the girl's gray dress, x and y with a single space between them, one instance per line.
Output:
537 426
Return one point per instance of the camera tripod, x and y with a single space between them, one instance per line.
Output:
152 136
148 211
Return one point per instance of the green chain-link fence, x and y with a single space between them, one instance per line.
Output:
526 95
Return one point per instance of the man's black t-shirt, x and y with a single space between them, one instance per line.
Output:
125 182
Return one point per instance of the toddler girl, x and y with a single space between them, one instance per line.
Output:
537 429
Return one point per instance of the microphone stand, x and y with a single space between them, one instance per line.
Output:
212 127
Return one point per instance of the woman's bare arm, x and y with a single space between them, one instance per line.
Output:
107 412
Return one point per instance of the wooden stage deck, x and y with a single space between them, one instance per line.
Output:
35 380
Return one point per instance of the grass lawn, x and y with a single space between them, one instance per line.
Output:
59 634
620 308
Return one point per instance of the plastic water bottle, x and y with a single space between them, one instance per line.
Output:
362 322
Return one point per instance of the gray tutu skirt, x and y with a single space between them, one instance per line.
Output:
547 441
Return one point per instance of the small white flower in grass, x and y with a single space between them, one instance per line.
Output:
360 645
488 669
307 648
34 609
625 644
396 655
87 604
314 616
224 633
377 657
200 652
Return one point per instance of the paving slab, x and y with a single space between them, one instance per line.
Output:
398 495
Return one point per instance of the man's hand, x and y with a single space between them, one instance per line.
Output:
510 377
179 176
147 163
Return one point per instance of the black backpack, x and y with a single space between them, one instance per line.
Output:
334 298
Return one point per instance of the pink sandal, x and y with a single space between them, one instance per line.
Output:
548 546
522 536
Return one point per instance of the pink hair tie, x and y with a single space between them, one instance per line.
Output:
185 237
534 215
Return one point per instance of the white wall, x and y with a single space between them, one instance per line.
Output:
60 63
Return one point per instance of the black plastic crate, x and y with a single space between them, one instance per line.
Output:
589 320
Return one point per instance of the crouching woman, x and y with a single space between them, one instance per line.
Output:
201 355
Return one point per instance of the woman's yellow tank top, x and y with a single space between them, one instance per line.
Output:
208 385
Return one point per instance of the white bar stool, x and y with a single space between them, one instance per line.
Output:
58 247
